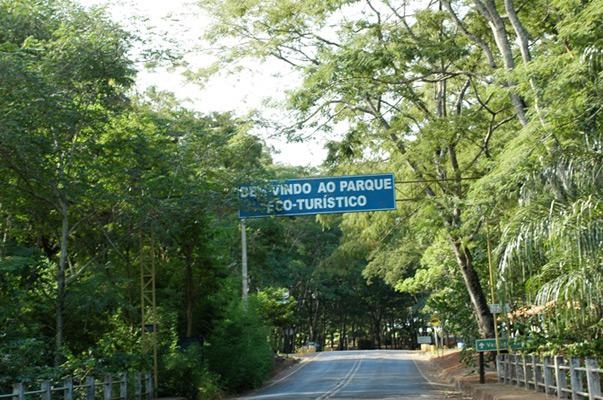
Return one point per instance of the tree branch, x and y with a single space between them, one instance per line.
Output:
482 44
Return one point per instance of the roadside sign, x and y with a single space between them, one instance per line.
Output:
322 195
490 344
424 339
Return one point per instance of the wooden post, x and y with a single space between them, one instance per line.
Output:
108 388
149 386
518 370
499 368
511 368
593 379
537 373
482 368
530 372
18 391
138 386
68 383
524 371
508 377
123 386
90 389
45 388
548 375
560 378
575 380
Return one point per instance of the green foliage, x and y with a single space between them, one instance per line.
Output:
277 310
238 349
186 375
427 96
446 298
25 337
117 350
23 360
97 184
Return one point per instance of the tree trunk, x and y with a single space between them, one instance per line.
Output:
60 280
474 288
522 35
523 42
189 288
497 25
188 297
477 40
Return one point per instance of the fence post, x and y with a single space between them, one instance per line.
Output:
560 378
149 386
506 369
137 386
68 384
90 389
537 373
524 371
529 371
123 387
593 379
516 370
500 367
45 388
548 375
108 387
18 391
575 380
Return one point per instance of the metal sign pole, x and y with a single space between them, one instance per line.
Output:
244 261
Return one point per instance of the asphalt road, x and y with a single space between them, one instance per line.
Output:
378 374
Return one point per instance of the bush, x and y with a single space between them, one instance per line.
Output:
22 360
239 350
186 375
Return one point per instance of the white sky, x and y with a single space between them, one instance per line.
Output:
181 20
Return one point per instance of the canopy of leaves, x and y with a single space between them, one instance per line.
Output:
491 124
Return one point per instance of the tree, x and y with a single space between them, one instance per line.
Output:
434 92
63 78
196 201
412 90
550 196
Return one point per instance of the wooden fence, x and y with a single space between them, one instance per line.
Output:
139 387
555 376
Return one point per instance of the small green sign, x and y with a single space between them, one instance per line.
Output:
490 344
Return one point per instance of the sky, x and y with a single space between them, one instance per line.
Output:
181 20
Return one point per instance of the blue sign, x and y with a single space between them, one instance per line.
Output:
322 195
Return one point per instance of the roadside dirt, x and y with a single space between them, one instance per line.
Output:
282 364
449 368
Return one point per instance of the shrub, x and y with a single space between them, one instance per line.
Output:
186 375
239 350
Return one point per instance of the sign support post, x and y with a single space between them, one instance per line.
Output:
244 261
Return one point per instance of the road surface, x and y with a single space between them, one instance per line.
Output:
375 374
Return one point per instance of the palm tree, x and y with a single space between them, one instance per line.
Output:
551 251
